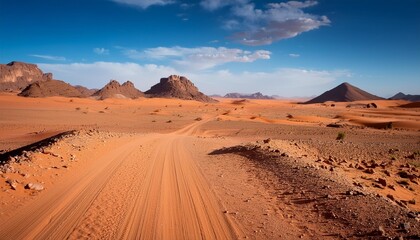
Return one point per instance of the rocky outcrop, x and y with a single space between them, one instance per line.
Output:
18 75
180 87
50 88
256 95
408 97
344 92
114 90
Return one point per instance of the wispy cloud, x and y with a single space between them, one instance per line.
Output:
49 57
294 55
144 3
198 58
101 51
277 21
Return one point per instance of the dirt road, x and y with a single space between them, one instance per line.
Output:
148 188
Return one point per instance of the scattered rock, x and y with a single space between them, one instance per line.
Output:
382 182
12 183
35 186
390 196
405 227
403 174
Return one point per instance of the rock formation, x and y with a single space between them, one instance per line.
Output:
178 87
18 75
344 92
114 90
50 88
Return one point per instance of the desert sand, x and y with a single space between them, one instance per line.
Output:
154 168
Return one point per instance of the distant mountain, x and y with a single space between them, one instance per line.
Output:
408 97
114 90
180 87
344 92
256 95
50 88
18 75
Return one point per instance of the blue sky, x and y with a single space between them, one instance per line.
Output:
287 48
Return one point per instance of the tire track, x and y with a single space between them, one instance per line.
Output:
156 192
56 212
177 202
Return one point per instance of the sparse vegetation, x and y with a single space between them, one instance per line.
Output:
341 136
289 116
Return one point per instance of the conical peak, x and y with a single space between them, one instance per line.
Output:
128 84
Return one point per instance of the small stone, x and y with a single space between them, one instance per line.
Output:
390 196
405 226
403 174
369 170
411 215
35 186
12 183
381 231
382 182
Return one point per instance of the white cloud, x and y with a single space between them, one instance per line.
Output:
286 82
276 22
198 58
144 3
101 51
294 55
49 57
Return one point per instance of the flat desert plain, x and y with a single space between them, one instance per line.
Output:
175 169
